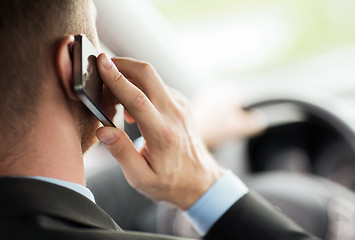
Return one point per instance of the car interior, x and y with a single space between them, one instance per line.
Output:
292 61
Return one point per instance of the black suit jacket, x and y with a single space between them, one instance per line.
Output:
32 209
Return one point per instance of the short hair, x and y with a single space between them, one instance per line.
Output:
29 30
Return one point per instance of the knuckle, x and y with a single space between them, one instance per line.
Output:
185 105
180 113
170 136
144 66
118 78
181 108
121 152
146 69
140 100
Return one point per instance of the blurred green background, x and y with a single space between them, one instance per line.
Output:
285 30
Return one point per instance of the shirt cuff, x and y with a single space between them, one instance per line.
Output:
215 202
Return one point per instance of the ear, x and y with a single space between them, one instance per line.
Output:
64 65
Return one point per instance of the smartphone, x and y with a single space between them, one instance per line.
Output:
87 82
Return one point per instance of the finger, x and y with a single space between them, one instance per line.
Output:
128 118
144 76
133 99
134 166
254 123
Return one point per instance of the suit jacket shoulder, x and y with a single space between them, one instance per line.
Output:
32 209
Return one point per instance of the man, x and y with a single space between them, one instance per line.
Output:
45 129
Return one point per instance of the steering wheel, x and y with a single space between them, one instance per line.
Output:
325 140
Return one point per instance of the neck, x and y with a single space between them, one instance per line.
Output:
54 151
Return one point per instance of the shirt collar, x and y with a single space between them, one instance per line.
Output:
70 185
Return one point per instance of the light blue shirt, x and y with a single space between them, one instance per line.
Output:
215 202
70 185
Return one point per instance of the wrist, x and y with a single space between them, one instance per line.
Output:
199 187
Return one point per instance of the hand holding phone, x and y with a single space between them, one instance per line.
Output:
173 165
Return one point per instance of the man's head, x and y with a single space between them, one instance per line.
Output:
32 33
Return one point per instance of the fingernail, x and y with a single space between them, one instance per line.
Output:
106 62
107 138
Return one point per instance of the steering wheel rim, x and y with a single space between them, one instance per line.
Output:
324 111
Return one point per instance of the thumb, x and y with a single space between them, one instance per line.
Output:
117 142
123 150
